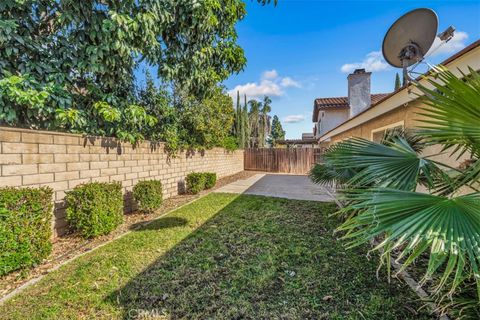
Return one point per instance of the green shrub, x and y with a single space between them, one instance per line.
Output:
210 179
195 182
25 227
230 143
148 195
95 209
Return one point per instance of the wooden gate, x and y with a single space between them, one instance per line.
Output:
282 160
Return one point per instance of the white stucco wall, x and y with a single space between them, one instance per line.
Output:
331 119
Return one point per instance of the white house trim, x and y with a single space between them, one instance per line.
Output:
390 126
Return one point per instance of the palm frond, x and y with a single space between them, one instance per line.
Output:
394 164
452 119
415 141
414 223
326 174
464 304
460 178
452 115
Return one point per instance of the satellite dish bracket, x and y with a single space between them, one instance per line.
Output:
410 52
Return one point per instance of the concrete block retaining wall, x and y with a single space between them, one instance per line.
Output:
61 161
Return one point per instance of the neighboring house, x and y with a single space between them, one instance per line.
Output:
307 136
397 109
307 141
328 113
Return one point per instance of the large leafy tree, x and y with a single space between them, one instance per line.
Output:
380 182
207 123
82 52
158 101
185 121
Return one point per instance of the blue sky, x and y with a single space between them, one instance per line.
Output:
300 50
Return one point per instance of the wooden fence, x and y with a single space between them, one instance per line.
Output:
282 160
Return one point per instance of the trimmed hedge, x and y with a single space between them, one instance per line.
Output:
195 182
95 209
148 195
198 181
210 179
25 227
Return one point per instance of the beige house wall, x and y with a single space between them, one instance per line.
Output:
61 161
409 115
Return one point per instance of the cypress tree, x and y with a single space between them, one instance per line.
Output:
240 124
277 131
246 125
397 82
237 118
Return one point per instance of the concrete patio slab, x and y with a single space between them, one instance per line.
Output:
280 186
240 186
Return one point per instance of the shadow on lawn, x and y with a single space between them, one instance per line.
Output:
263 258
161 223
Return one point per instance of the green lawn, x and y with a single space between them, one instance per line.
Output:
222 257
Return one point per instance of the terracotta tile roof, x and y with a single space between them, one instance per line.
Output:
333 102
378 96
339 102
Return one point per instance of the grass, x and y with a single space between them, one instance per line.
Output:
225 257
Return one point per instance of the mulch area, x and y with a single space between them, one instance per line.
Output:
70 245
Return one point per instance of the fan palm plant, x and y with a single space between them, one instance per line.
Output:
380 186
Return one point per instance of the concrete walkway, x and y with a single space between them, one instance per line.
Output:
280 186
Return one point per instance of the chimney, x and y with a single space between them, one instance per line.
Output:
359 97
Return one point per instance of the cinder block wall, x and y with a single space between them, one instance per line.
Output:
61 161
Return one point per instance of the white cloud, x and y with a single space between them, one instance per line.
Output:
270 84
289 82
270 74
455 44
294 118
373 62
258 90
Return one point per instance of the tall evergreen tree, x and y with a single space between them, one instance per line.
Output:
243 129
398 83
254 123
277 132
247 127
238 121
239 129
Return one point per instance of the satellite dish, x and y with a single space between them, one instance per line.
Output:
409 39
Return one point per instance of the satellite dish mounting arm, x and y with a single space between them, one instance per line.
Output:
411 52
